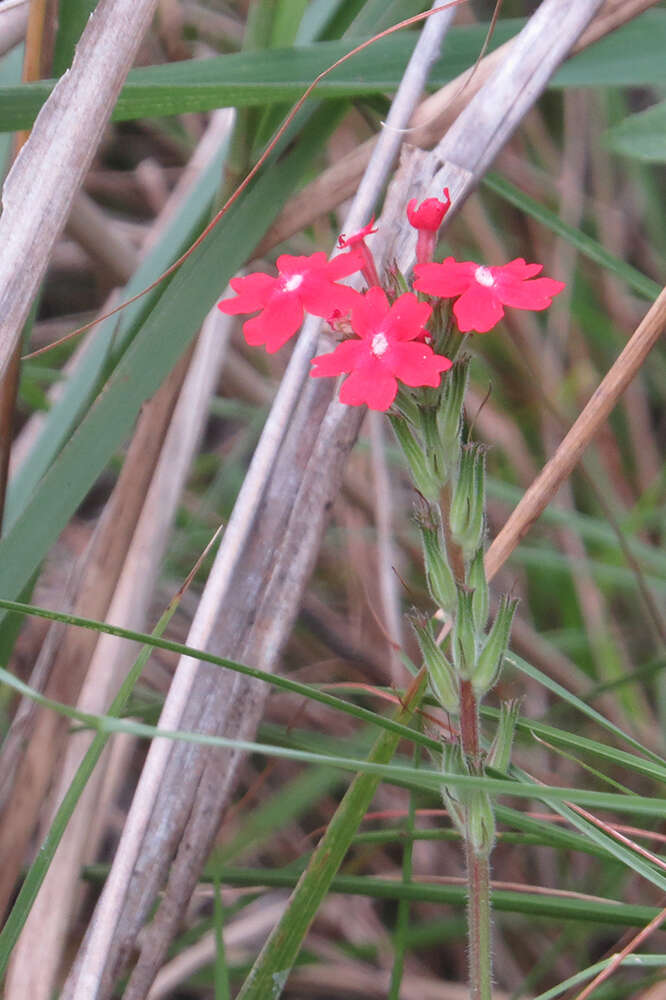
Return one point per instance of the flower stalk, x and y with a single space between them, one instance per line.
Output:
400 353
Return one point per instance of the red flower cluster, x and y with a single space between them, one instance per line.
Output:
390 343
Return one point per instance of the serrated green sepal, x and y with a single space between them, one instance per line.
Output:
480 833
449 414
463 642
490 660
470 809
441 676
478 584
467 515
413 451
454 797
439 578
500 752
460 504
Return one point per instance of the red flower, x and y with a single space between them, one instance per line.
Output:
304 283
484 291
359 237
356 244
430 213
387 351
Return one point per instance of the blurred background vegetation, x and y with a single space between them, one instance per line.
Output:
579 188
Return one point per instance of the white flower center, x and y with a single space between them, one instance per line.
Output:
484 277
291 284
379 345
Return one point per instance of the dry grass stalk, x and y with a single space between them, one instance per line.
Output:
13 23
597 410
216 134
64 658
47 925
27 773
38 192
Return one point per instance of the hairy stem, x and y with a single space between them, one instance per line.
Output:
478 916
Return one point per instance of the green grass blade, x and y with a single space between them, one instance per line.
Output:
561 692
164 336
270 971
641 136
38 869
111 338
585 245
558 907
282 683
248 79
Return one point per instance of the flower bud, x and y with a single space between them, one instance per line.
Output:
454 797
459 512
419 467
478 584
356 244
463 642
467 516
430 213
499 755
480 830
449 414
439 578
490 661
440 672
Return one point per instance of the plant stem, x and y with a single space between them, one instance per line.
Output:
469 723
478 916
478 866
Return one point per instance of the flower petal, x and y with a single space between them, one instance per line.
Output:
323 297
448 279
343 359
287 264
369 311
535 294
276 324
373 386
478 309
254 291
416 364
344 264
518 269
406 318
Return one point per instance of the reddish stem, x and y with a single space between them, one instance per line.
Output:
469 723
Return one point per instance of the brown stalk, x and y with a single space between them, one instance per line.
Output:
34 61
36 196
556 471
33 745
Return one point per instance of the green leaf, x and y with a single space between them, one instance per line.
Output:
585 245
72 18
631 56
641 136
610 911
260 78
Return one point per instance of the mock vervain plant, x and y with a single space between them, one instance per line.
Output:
401 352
